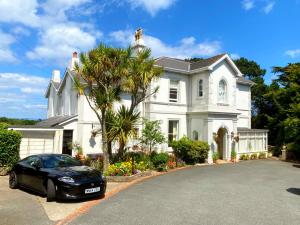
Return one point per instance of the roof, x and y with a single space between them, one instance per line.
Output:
176 64
206 62
34 127
54 121
243 80
244 129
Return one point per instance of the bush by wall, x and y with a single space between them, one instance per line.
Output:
9 147
160 161
190 151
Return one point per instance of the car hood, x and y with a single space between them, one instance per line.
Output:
77 172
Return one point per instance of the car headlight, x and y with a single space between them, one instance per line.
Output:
66 179
103 177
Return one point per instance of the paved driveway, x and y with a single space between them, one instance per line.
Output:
253 192
19 207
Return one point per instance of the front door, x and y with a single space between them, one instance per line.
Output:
222 143
67 142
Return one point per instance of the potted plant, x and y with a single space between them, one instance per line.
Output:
233 155
78 151
215 157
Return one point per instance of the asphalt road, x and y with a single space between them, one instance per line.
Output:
253 192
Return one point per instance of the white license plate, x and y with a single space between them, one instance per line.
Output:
92 190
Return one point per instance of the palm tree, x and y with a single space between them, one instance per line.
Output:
141 73
99 79
122 126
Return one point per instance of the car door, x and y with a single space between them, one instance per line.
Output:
33 175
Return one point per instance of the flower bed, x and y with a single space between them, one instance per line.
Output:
128 178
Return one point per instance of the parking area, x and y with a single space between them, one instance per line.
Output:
22 207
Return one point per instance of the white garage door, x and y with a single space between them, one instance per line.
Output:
36 142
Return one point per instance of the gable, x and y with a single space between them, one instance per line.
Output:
231 65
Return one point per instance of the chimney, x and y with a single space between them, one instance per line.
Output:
75 55
138 43
56 76
73 61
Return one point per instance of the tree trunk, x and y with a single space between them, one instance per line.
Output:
121 149
109 149
104 141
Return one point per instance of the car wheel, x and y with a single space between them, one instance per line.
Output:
51 193
13 182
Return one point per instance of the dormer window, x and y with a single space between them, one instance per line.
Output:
222 95
200 88
173 92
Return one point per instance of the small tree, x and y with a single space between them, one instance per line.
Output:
151 134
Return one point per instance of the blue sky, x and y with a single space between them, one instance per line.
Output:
39 36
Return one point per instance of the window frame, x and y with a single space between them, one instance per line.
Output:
173 100
224 98
198 89
177 134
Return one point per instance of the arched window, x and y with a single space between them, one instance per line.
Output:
222 96
200 88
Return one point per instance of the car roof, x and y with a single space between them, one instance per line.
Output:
48 154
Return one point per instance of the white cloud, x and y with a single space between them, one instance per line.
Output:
21 95
268 8
186 48
22 82
59 41
20 31
30 90
248 4
152 6
6 54
37 106
19 11
293 53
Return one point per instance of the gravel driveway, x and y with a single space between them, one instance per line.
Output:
252 192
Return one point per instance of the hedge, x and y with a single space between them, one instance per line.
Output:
9 147
190 151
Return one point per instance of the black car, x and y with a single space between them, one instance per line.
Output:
57 176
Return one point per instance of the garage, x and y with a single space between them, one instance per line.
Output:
39 140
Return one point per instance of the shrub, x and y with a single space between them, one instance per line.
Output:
190 151
244 157
97 164
180 163
9 147
215 156
233 154
119 169
142 166
160 161
3 126
253 156
262 155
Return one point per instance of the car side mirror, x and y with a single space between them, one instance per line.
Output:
36 165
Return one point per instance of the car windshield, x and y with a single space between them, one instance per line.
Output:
53 161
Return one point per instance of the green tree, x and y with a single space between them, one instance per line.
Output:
151 134
141 74
100 76
122 126
287 100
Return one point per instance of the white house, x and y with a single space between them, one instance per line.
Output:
209 100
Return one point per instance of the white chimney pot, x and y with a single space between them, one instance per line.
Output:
56 76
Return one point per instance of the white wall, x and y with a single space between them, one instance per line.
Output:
244 105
